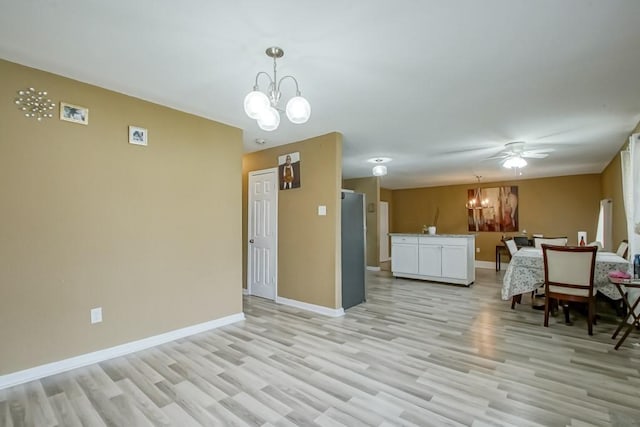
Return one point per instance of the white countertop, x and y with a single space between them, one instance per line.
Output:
468 236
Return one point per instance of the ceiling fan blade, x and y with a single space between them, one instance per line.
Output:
530 155
541 150
500 156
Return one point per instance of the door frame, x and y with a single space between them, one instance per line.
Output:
273 171
386 237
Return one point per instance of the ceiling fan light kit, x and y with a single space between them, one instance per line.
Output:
513 156
263 107
514 162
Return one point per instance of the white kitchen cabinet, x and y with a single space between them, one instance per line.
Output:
430 260
454 262
440 258
404 256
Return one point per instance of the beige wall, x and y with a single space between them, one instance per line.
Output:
149 234
370 187
559 206
309 257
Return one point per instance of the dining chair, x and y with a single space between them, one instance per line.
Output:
558 241
521 241
568 277
623 248
512 247
596 244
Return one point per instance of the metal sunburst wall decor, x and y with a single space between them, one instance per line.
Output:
35 104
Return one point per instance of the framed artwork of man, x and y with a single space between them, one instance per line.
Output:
289 171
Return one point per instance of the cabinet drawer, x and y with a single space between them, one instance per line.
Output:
404 239
443 241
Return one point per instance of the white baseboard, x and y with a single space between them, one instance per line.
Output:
325 311
372 268
53 368
491 265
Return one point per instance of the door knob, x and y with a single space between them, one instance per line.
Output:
251 241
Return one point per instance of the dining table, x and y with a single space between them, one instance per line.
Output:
525 273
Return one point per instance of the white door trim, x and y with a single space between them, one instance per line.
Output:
251 174
383 231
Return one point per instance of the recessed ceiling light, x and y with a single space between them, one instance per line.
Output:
379 160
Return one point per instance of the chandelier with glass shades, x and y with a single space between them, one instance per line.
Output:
264 106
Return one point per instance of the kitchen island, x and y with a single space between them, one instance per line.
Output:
448 258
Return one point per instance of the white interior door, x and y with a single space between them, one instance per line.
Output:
262 259
383 232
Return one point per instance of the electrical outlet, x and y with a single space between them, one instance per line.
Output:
96 315
477 250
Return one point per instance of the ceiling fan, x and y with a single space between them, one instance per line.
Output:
514 155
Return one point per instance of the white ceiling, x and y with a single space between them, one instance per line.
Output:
437 85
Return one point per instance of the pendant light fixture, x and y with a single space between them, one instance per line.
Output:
263 107
379 169
477 201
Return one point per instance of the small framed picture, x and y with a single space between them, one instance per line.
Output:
74 113
137 136
289 171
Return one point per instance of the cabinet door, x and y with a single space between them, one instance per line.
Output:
430 260
454 262
404 258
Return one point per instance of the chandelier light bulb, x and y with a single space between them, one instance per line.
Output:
298 110
255 103
269 119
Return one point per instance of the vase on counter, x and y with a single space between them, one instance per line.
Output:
431 229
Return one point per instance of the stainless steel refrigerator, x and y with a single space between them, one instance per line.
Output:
353 249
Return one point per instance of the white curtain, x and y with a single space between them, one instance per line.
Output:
631 195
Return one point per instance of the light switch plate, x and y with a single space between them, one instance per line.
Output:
96 315
322 210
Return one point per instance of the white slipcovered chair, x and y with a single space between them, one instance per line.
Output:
557 241
622 249
511 246
596 244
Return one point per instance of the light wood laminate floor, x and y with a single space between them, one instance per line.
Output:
416 353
